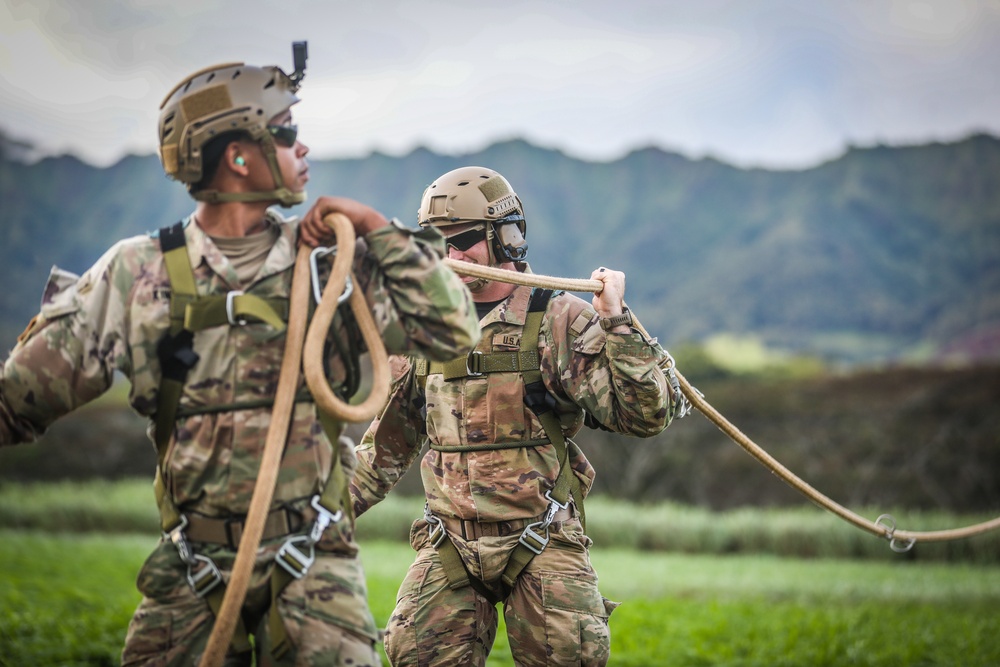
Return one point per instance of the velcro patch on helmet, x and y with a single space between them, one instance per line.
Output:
494 188
499 195
206 102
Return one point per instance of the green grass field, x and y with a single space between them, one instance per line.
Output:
69 554
65 599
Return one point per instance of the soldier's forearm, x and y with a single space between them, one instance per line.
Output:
439 325
13 431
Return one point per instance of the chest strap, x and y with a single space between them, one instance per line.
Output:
535 535
189 313
479 363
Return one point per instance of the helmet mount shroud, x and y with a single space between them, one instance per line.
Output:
478 194
231 97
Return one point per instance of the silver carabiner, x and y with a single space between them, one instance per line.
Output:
887 522
323 251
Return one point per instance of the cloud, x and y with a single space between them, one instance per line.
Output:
774 82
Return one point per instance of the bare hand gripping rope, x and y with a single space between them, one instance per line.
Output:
326 400
884 526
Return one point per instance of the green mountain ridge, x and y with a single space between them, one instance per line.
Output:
876 256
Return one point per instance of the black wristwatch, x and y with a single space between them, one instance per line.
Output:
609 323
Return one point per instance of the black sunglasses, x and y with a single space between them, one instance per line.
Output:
284 134
467 239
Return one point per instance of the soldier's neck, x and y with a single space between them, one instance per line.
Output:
231 219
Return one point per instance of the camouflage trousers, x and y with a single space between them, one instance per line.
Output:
554 616
325 613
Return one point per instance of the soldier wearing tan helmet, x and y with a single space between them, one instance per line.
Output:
504 483
194 315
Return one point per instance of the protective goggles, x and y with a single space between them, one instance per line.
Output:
466 239
284 134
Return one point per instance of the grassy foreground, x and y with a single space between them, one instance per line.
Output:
65 599
750 587
128 507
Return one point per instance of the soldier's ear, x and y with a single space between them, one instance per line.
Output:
234 158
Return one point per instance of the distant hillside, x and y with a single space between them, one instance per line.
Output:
881 253
887 439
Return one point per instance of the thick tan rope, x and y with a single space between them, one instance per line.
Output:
288 380
326 400
884 526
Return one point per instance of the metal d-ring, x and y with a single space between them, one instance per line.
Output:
887 522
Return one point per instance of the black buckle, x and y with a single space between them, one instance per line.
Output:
176 355
538 398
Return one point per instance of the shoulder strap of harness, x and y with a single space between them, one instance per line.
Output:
541 403
189 313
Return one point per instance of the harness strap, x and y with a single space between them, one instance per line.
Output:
175 351
280 521
190 313
479 363
537 398
488 446
286 569
302 397
541 403
233 308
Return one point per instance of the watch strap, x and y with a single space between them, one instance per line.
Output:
609 323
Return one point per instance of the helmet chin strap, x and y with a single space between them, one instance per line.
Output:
285 197
477 284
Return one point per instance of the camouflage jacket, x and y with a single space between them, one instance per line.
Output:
614 377
112 318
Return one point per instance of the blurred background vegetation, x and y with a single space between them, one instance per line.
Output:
845 317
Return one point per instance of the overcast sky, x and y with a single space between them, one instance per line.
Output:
771 83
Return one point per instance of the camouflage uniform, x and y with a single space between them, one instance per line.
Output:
555 614
112 318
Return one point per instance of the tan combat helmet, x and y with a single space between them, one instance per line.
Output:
477 194
226 98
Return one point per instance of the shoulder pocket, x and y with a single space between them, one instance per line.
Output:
589 337
61 295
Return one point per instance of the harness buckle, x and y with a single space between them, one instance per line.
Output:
294 560
323 251
474 363
324 518
533 541
554 507
230 314
437 533
176 537
204 580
